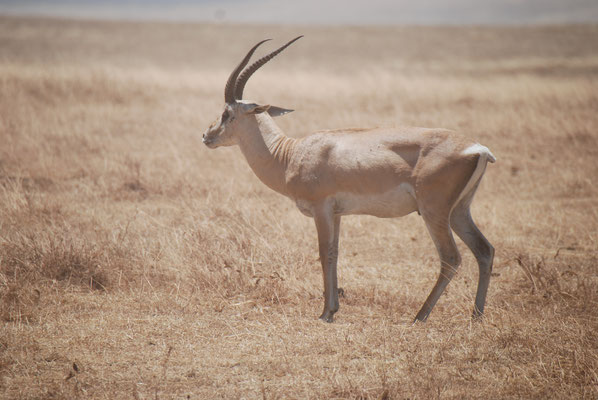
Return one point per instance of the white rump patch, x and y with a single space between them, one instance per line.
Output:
479 149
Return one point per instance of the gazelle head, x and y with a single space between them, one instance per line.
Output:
224 130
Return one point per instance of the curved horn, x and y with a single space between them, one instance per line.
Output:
255 66
229 90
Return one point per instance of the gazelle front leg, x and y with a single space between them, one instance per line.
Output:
328 226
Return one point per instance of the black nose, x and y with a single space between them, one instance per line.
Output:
203 136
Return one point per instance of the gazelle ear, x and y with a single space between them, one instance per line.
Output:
278 111
256 108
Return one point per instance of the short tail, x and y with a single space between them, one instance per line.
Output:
485 156
490 156
483 151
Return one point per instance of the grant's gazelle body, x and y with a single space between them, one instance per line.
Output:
381 172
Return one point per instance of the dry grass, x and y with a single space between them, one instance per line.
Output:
136 263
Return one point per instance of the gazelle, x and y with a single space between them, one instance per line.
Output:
381 172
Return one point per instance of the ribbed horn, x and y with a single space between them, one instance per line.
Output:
229 89
255 66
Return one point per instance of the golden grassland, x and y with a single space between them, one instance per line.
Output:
136 263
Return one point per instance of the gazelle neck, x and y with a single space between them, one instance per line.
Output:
267 150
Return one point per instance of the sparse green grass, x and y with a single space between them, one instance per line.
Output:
136 263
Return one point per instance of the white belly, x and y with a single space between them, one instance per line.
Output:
397 202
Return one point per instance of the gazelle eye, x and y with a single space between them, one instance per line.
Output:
225 115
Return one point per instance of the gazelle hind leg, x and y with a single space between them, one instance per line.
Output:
450 260
466 229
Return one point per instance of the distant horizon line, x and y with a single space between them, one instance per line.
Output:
315 24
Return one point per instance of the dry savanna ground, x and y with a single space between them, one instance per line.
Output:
137 263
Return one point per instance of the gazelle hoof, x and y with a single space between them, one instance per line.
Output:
327 316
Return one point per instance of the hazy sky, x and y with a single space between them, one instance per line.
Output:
319 11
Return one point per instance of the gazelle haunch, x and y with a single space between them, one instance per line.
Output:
382 172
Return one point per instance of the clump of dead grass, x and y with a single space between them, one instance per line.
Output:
28 264
47 257
567 281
